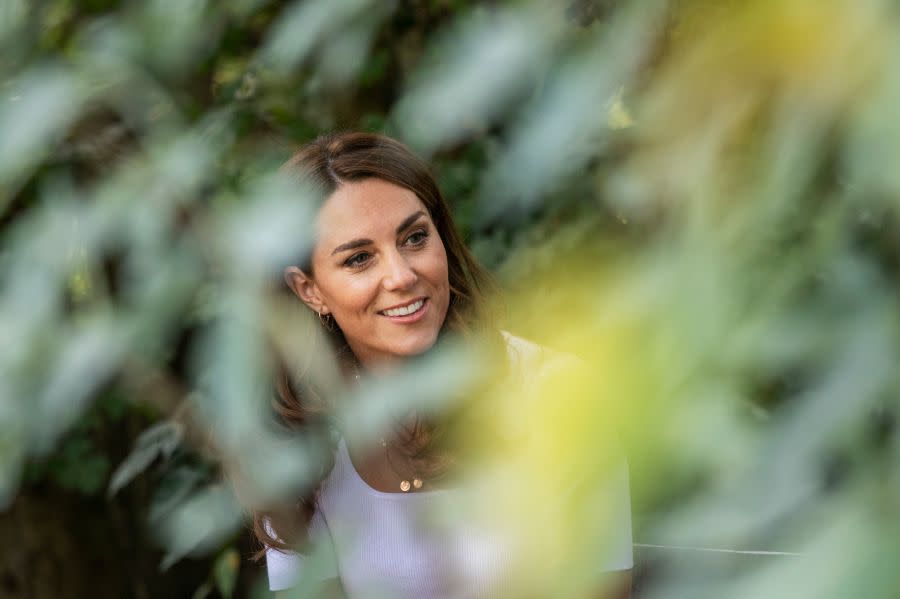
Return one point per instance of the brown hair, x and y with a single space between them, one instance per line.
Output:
325 164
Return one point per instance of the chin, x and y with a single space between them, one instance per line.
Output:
415 345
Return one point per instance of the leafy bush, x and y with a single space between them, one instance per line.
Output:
698 198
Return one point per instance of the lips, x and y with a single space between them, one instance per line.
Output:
407 312
410 307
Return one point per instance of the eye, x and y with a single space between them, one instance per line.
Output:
357 260
418 237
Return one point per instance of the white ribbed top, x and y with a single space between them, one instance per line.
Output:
387 544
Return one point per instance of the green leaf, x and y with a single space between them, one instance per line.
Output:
175 487
78 466
159 440
202 591
225 571
200 524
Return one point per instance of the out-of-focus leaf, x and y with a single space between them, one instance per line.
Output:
272 229
377 404
482 65
175 487
305 24
80 469
12 16
176 32
225 571
202 522
34 112
85 359
203 591
158 441
567 125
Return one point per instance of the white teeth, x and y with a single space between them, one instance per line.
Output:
403 311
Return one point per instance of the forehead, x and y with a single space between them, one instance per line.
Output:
365 209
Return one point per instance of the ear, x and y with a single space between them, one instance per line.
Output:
305 288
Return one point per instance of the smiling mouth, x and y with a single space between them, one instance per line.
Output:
410 308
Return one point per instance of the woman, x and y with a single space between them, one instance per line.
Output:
388 277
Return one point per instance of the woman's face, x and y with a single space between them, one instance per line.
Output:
380 269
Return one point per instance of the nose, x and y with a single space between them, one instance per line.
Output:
398 275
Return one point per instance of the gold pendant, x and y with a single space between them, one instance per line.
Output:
404 486
417 483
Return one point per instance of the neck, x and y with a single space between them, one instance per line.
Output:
379 366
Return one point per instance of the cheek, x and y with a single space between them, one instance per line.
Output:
440 271
348 296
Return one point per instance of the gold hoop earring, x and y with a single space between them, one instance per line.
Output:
327 320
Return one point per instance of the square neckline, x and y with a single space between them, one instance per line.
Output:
346 462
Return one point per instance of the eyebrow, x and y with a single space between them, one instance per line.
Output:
356 243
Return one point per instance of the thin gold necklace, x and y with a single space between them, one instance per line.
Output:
405 484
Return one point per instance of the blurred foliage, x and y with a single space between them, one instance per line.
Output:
698 198
80 464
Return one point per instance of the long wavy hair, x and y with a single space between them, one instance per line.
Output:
324 165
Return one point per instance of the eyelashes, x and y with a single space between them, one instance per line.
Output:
420 238
415 239
356 260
